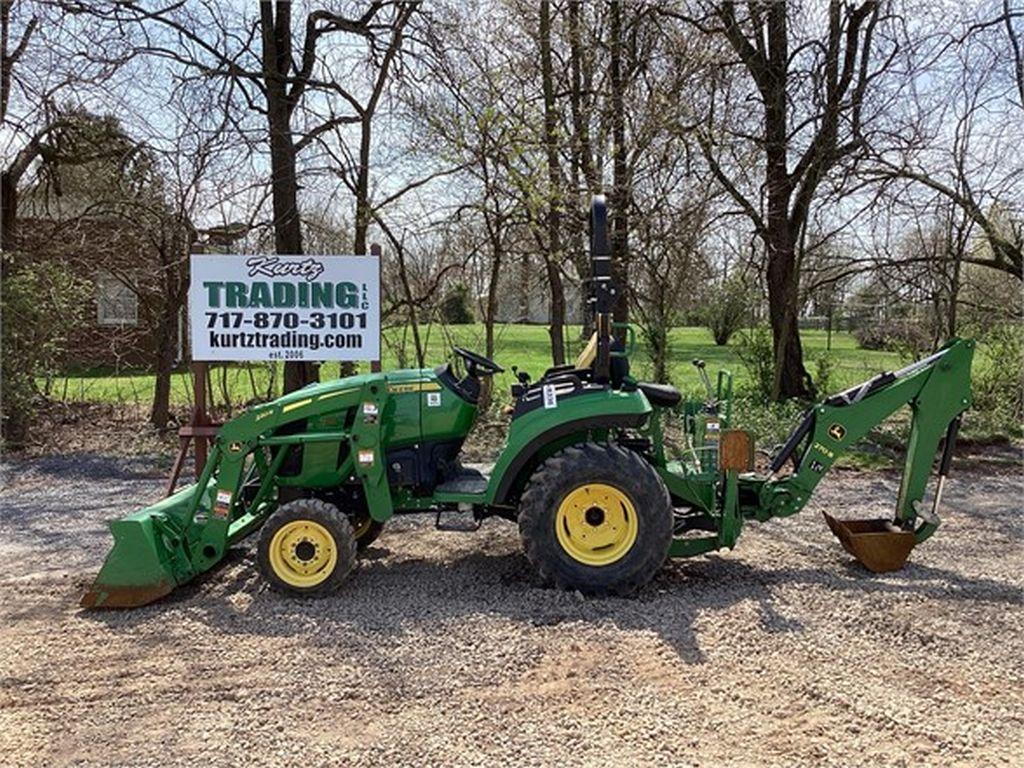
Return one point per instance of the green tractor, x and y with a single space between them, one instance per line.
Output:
599 499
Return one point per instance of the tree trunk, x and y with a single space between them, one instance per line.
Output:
363 189
581 151
410 300
659 349
557 326
287 226
363 216
8 212
791 379
620 185
554 255
524 287
582 163
960 245
491 308
160 412
284 183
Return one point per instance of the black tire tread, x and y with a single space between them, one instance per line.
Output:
586 462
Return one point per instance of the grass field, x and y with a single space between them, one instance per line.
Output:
526 346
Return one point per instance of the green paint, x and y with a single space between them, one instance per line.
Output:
278 295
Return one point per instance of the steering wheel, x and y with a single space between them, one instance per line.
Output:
477 365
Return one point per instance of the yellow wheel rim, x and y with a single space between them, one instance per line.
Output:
303 553
362 527
596 524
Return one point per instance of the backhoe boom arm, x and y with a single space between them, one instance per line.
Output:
937 389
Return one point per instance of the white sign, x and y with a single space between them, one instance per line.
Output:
285 307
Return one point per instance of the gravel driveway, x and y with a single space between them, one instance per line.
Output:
441 650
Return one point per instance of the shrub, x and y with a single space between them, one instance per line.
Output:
456 307
998 377
38 303
908 337
757 352
825 365
726 308
770 423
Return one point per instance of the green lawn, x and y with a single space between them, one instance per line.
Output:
526 346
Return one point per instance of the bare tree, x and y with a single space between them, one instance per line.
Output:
353 168
472 111
810 88
553 255
38 98
963 134
276 76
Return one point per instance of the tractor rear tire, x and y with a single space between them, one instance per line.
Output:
596 518
307 547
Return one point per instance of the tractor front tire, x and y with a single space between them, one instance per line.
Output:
596 518
307 547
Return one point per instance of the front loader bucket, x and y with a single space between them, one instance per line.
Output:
136 571
140 567
877 544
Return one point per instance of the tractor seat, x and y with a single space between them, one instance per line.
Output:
661 395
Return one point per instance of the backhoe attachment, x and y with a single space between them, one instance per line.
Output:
937 390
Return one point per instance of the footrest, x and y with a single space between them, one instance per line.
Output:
469 480
458 522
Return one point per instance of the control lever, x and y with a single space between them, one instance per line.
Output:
523 376
699 365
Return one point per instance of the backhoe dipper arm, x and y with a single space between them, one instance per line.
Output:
938 391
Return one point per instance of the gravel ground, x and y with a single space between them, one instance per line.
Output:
441 650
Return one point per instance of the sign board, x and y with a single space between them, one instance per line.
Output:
268 307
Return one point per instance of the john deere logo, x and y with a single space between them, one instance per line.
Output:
837 432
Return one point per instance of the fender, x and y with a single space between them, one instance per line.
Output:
538 433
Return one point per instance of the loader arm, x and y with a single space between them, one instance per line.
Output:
171 542
937 389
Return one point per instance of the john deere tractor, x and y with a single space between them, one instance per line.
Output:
585 472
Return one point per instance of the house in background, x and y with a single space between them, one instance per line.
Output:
525 297
124 270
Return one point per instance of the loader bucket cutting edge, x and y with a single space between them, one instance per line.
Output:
874 543
105 596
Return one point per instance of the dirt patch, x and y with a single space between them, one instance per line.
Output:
442 650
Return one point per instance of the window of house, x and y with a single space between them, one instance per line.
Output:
116 303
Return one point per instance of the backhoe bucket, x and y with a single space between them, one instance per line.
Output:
877 544
140 567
